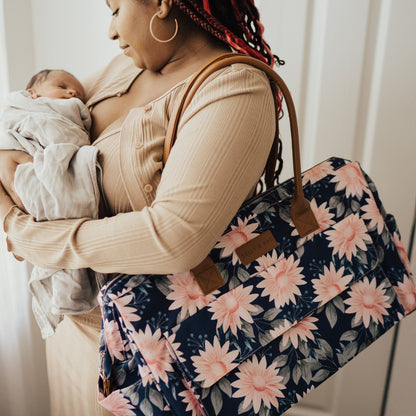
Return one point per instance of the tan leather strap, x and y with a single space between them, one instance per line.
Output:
301 213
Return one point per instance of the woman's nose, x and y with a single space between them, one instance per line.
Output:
112 33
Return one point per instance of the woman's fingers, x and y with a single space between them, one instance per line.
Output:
9 160
5 202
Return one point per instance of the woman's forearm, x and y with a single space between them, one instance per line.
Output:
209 173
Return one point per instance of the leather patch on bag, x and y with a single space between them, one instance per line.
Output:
256 247
207 276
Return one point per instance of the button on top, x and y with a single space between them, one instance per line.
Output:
148 188
118 94
147 108
139 145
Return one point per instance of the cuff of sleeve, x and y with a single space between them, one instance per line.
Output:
7 216
5 220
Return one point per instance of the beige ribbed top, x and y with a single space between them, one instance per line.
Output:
162 222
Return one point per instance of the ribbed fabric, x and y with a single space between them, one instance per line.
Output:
222 147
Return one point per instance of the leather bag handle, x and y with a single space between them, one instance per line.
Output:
301 212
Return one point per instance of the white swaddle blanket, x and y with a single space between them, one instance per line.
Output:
62 182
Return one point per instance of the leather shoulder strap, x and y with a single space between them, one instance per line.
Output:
301 212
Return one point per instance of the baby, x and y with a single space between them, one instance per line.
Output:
55 84
49 121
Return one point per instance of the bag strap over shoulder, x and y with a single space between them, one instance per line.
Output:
301 212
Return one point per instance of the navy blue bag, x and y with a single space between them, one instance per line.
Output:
307 275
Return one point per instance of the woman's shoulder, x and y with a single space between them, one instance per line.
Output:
237 77
227 89
115 78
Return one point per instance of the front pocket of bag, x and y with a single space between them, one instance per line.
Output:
232 328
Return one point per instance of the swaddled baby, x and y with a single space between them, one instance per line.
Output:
49 121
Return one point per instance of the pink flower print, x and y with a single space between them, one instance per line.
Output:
145 375
407 294
238 235
281 281
280 330
114 341
121 294
232 307
347 235
186 294
128 313
317 173
191 399
323 217
402 251
154 351
368 301
173 347
117 404
266 261
214 362
258 384
373 213
330 284
350 178
302 330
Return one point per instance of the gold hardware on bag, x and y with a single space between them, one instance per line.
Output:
106 381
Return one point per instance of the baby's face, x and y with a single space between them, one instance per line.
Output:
58 84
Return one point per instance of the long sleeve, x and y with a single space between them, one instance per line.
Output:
222 146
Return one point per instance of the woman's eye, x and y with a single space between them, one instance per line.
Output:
115 13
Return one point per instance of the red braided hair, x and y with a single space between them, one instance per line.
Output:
237 23
243 30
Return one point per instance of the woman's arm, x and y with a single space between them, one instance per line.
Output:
222 147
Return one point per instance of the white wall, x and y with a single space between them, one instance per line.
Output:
73 35
68 34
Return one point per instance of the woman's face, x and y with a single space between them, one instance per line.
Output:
130 26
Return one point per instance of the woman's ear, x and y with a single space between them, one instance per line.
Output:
165 8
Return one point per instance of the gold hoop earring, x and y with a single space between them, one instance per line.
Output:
161 40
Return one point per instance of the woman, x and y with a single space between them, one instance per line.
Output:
157 222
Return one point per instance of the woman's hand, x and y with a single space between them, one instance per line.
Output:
9 160
5 203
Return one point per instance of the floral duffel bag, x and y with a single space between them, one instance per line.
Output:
279 326
305 277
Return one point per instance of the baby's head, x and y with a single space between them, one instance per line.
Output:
55 83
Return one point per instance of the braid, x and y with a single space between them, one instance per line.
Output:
234 22
237 24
